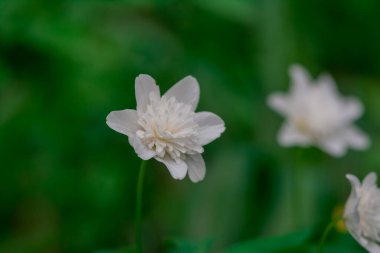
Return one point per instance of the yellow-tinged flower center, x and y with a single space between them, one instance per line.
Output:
302 125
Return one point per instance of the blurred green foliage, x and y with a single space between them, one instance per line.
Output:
67 181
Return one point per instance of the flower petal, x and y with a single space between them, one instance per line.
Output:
280 103
143 152
196 167
185 91
327 82
124 121
289 135
335 145
369 181
300 78
353 109
371 247
144 86
210 127
350 210
356 138
355 184
177 170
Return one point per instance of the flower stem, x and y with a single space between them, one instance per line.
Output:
326 233
297 190
139 197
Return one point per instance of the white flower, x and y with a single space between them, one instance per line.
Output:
167 128
362 212
316 114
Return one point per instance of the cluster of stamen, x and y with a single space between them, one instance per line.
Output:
168 127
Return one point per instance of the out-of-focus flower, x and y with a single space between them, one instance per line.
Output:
167 128
316 114
362 212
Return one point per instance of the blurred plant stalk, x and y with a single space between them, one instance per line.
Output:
139 197
327 231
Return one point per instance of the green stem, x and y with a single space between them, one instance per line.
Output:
326 233
297 189
139 197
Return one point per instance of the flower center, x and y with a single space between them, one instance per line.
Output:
168 127
302 125
317 114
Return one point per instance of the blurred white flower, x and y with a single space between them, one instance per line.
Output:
362 212
167 128
316 114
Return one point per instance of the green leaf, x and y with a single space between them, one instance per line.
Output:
285 243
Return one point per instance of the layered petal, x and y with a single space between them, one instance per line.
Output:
352 201
369 181
185 91
280 103
361 212
300 78
145 86
289 135
349 136
124 121
355 185
177 169
211 126
335 145
140 149
196 167
326 82
371 247
353 109
356 138
351 215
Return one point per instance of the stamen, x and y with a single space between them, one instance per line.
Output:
168 127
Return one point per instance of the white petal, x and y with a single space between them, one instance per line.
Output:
355 184
335 145
327 82
369 181
143 152
356 138
185 91
124 121
144 86
372 247
279 102
177 170
211 126
351 220
300 78
289 135
350 209
353 109
196 167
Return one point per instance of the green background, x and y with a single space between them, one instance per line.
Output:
67 181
